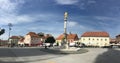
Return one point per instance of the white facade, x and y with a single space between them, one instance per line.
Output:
27 39
31 40
95 41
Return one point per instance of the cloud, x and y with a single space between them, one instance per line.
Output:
106 18
66 2
103 18
83 4
14 19
27 18
9 6
72 23
91 1
8 11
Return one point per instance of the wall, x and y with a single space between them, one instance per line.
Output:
27 39
95 41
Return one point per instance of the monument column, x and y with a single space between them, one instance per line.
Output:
65 30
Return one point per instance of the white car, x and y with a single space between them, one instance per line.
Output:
72 44
47 44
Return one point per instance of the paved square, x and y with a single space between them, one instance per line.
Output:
35 55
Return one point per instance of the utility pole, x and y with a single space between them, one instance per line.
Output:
65 30
9 25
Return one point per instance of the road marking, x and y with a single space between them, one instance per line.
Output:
51 62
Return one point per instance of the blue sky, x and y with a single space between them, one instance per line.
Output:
47 16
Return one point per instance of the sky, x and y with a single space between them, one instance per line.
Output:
47 16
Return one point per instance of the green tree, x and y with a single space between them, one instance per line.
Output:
50 39
2 31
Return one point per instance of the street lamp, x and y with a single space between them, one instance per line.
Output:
9 25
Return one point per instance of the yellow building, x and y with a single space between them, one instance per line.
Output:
95 39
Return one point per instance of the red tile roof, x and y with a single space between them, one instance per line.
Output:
69 36
21 39
33 34
72 36
14 37
95 34
60 37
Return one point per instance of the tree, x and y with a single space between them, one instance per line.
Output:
50 39
2 31
41 34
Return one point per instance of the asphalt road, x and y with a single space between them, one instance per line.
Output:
35 55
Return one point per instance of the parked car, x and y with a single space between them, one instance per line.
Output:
46 44
79 45
54 44
72 44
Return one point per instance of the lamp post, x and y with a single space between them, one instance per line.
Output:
65 30
9 25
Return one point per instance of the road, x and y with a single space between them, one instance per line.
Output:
35 55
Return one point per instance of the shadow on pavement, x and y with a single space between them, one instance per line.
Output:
13 53
10 62
32 61
110 56
23 52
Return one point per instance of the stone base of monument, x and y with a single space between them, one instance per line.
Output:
70 49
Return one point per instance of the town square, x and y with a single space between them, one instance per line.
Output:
59 31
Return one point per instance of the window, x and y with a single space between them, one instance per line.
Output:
105 39
89 38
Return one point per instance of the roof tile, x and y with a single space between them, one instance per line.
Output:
95 34
69 36
33 34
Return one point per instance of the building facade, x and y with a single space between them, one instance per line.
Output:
32 39
13 40
70 38
3 42
118 38
21 41
95 39
113 41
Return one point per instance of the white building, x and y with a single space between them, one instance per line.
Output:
32 39
21 41
14 40
95 39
